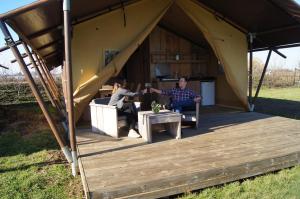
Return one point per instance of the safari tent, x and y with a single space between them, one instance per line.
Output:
95 41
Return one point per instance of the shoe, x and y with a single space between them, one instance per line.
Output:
133 134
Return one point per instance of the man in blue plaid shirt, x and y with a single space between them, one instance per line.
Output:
181 97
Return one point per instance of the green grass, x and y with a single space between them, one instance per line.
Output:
31 164
281 93
282 185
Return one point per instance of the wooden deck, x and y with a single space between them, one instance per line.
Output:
227 147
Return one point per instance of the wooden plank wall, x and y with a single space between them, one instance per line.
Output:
165 42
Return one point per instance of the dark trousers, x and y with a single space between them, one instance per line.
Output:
129 110
178 106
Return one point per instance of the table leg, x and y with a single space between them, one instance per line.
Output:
174 129
148 130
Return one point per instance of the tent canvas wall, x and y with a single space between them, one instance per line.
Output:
109 31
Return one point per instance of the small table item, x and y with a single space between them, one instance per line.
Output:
147 118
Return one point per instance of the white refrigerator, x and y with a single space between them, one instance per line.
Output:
208 93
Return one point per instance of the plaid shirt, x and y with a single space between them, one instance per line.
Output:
179 95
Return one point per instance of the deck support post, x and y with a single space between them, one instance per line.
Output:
68 64
251 37
11 43
262 76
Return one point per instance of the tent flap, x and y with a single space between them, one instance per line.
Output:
228 43
87 90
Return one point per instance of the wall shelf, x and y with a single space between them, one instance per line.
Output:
170 58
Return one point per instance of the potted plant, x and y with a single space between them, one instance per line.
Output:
155 107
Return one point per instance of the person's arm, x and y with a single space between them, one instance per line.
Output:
126 92
168 92
195 97
156 90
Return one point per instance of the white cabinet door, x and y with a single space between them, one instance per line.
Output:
208 93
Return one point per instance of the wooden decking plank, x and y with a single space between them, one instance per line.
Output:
242 141
197 180
124 176
223 150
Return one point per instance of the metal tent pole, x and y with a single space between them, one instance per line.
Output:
250 70
262 76
68 64
10 42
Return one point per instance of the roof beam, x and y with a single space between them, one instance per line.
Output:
277 29
278 47
49 44
44 31
221 16
23 9
107 9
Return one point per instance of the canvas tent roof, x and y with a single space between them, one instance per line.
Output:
276 22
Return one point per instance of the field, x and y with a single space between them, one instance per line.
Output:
284 184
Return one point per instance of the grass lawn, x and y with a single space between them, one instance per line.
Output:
282 185
292 94
31 164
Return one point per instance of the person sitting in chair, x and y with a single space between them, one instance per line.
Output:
181 97
126 108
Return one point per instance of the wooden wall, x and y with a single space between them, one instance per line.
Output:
167 44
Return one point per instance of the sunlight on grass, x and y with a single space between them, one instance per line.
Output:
281 93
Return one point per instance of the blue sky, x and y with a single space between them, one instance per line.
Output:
292 61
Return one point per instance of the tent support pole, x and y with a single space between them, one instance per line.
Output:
39 64
50 80
11 43
54 93
70 102
40 75
262 76
250 70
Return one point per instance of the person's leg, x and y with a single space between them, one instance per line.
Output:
178 106
131 114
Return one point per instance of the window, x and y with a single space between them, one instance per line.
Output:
109 55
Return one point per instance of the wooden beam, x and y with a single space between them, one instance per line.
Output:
44 31
41 77
182 36
49 44
277 29
108 9
24 9
278 47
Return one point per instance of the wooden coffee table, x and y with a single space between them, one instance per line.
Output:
147 118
